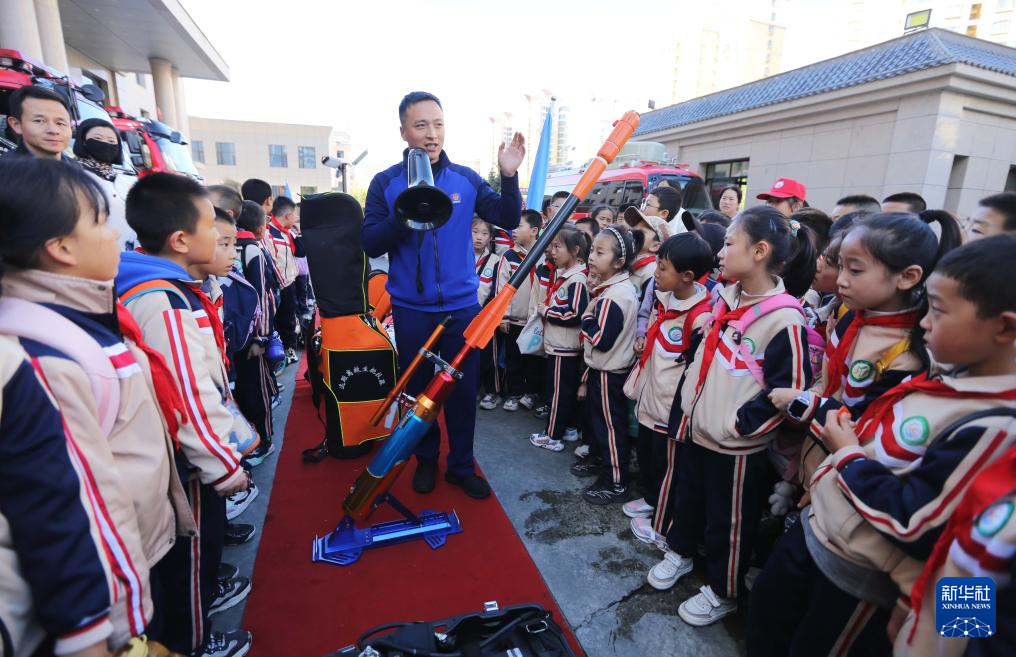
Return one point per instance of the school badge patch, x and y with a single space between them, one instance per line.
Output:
676 335
914 430
994 518
861 370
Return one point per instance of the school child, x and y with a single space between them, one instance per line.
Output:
608 340
562 309
883 260
255 383
503 241
589 226
175 224
60 260
682 307
486 270
726 420
54 582
521 371
895 478
654 232
545 277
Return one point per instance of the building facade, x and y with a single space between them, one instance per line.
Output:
282 154
930 112
137 51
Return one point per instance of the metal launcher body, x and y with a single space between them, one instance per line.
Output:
344 545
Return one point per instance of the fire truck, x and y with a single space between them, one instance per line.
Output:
153 145
638 168
85 101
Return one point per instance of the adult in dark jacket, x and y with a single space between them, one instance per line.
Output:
432 274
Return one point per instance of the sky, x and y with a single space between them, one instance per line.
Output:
347 63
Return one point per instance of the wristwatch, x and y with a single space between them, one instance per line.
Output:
797 408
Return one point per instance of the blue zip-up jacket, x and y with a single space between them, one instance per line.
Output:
424 275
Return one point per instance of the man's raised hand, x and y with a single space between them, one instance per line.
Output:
509 156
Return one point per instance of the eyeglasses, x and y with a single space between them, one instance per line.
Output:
645 205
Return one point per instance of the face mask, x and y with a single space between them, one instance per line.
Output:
102 151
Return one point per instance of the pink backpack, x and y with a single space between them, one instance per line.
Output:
37 322
816 343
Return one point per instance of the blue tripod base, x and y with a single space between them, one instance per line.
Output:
347 542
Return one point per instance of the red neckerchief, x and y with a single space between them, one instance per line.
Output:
713 340
663 315
285 232
166 392
837 356
554 283
212 310
990 484
481 261
643 261
245 234
879 412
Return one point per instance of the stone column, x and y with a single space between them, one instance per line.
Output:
165 97
51 35
183 125
19 28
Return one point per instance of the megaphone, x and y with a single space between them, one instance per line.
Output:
422 206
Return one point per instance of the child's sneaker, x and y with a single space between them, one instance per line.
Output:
582 451
511 404
638 509
546 442
603 493
587 468
490 401
665 574
643 530
542 412
234 643
571 434
528 401
237 503
228 593
705 608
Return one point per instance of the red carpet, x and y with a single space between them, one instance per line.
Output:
307 609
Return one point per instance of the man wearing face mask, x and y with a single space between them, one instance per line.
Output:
98 149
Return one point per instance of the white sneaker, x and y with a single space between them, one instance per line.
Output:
528 401
705 608
490 401
571 434
643 530
546 442
638 509
582 451
511 404
237 503
665 574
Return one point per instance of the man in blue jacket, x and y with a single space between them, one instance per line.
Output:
432 275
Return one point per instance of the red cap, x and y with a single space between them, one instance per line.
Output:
784 188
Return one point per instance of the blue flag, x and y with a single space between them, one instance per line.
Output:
289 192
538 178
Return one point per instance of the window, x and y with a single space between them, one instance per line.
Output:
140 79
308 156
277 156
724 174
278 190
972 30
634 192
307 190
198 151
1004 5
975 11
225 153
1000 27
